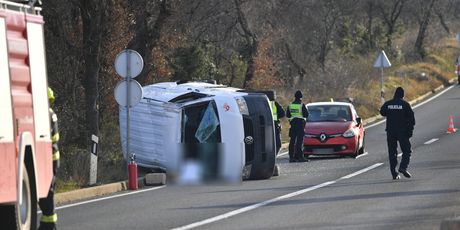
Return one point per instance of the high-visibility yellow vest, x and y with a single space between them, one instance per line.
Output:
274 111
54 134
49 219
296 111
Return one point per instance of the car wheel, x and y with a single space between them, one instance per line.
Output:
361 150
356 153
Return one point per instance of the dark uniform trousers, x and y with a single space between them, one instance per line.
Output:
49 217
278 136
404 143
296 133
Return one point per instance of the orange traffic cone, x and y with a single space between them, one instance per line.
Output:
451 128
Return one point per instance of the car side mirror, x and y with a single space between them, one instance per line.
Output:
358 120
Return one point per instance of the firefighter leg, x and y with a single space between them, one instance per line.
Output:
49 216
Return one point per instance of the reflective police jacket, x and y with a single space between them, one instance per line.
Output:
278 111
297 111
400 116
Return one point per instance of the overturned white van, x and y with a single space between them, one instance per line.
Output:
175 120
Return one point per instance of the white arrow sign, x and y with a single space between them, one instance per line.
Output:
382 61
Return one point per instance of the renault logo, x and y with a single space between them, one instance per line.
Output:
322 137
248 140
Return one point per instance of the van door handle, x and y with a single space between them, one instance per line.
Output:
42 136
1 137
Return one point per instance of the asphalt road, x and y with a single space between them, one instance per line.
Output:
325 193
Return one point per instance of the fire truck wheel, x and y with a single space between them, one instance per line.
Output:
26 211
21 215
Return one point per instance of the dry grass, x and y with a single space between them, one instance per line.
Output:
416 78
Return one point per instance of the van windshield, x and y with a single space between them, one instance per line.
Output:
201 139
200 123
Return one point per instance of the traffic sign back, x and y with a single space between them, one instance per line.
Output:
129 63
135 93
382 61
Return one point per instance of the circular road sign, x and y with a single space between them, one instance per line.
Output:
135 94
129 63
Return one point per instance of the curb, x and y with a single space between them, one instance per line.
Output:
101 190
91 192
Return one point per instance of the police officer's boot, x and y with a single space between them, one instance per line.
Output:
301 158
47 226
292 158
405 173
276 170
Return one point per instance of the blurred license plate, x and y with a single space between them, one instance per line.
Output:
323 151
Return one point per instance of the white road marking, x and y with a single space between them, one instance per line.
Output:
276 199
375 124
108 197
431 141
432 98
361 171
282 154
361 155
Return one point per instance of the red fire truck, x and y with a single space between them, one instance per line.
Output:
25 142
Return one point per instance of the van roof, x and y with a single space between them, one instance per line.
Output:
167 91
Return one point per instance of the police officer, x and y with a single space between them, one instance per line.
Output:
297 114
49 217
400 127
277 113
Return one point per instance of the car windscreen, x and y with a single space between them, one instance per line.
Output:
324 113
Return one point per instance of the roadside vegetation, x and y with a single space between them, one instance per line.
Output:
326 48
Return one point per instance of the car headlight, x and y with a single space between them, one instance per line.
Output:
349 133
242 105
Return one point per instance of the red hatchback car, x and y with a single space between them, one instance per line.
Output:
333 128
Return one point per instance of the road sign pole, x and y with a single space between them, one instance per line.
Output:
128 93
382 91
128 64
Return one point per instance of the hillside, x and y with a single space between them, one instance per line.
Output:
326 48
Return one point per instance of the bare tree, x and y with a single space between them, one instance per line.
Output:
329 15
370 10
251 41
390 11
93 15
444 10
148 29
423 18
